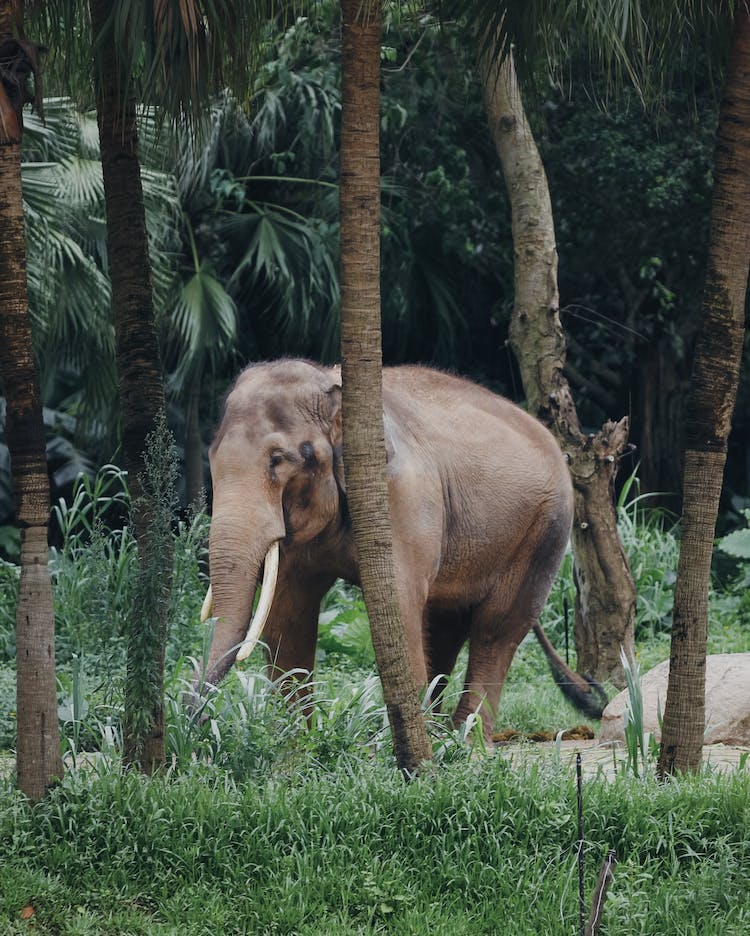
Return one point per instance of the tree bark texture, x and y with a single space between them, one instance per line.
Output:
362 392
39 760
605 593
138 360
713 394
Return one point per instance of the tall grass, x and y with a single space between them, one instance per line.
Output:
649 536
278 818
94 576
468 848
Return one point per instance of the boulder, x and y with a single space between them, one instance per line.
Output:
727 701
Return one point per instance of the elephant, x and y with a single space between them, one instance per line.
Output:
481 510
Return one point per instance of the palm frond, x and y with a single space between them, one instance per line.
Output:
170 53
80 179
641 41
54 138
202 328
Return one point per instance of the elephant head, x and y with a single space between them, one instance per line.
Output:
277 482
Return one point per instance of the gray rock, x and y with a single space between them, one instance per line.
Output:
727 701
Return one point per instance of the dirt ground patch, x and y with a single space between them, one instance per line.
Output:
605 759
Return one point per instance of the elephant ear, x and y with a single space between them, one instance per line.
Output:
335 424
389 429
333 397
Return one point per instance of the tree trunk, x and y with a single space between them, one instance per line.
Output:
605 600
138 366
361 354
713 394
39 760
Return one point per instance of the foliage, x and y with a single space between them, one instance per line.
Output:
94 576
643 45
258 197
650 537
637 740
93 573
632 251
69 295
262 200
190 546
343 628
147 616
9 578
69 292
737 543
734 599
171 54
473 847
7 708
446 239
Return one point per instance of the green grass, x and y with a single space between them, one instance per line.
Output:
263 825
472 847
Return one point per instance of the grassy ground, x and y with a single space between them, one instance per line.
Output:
264 826
471 847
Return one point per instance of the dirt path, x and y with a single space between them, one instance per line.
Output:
605 759
602 759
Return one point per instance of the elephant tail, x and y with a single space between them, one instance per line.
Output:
585 693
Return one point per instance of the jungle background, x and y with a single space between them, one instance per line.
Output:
256 824
244 235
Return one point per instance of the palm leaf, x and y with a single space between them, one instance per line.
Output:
81 180
642 41
203 326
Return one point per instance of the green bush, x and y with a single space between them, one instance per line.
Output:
7 707
9 578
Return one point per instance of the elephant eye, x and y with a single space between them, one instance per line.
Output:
276 459
307 452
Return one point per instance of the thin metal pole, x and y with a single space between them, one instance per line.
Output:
581 892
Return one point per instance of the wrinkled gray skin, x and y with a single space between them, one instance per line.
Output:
481 509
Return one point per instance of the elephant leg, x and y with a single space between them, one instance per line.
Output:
490 655
502 620
412 608
497 628
291 636
412 584
446 633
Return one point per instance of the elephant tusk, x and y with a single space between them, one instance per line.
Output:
207 606
267 589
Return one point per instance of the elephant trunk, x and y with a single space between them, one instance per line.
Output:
237 549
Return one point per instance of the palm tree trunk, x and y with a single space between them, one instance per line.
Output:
713 394
39 760
139 373
361 355
605 593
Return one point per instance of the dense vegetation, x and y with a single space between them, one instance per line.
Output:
262 825
244 233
